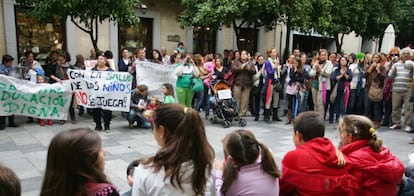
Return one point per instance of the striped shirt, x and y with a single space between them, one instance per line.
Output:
403 77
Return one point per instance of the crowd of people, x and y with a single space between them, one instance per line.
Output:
357 92
185 163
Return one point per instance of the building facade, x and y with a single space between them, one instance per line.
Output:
158 27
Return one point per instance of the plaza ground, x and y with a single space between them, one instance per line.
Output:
24 149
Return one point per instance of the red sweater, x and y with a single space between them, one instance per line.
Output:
372 173
311 169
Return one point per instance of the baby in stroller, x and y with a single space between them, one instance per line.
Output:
224 105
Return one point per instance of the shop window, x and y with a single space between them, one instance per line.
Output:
39 37
204 40
248 39
136 36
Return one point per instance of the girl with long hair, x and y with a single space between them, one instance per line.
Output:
183 165
297 79
168 92
249 168
375 75
341 77
75 165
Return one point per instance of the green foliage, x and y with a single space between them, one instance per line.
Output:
403 20
239 13
215 13
87 12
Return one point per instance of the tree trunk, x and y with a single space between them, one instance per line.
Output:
237 32
286 52
339 42
90 32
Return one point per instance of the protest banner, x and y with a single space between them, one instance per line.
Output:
154 75
45 101
108 90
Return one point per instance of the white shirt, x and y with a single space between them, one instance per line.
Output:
147 182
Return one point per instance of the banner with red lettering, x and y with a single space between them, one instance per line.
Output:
108 90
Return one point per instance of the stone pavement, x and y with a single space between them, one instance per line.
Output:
24 149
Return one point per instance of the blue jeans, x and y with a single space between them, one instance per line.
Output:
135 115
339 106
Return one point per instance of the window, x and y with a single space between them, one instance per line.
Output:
136 36
38 37
248 39
204 40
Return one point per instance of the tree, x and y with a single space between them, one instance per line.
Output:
404 22
90 13
238 13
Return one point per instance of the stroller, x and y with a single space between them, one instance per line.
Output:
224 105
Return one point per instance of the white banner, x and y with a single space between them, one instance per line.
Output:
45 101
108 90
154 75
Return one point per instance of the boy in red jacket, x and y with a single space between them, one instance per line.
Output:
315 167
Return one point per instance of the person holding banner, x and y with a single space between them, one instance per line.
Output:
185 72
7 69
99 113
61 74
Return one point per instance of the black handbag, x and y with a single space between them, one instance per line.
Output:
278 87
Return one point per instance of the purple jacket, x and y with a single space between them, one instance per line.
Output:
251 180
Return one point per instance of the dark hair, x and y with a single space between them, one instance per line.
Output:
72 160
198 60
159 55
243 147
27 53
300 67
123 50
170 88
63 55
359 127
173 56
185 140
6 58
310 124
343 57
353 56
315 53
131 166
108 54
180 44
10 183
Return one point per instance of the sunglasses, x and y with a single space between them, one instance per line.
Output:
394 54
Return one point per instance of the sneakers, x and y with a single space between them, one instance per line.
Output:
395 126
49 122
411 141
131 125
407 129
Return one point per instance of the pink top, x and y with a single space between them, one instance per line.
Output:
251 180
